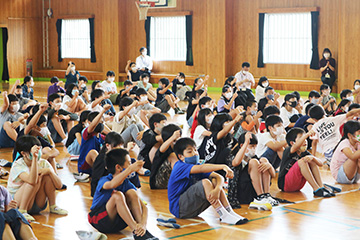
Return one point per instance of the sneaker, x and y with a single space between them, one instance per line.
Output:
161 218
28 217
271 200
5 163
169 224
147 236
64 141
178 111
86 235
63 187
260 203
81 177
55 209
74 157
59 166
322 193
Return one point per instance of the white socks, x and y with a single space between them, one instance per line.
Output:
227 217
233 213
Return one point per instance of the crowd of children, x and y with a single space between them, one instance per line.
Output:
241 138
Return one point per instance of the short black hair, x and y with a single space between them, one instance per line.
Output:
54 79
268 89
297 95
308 107
12 98
83 78
225 88
96 93
249 103
327 50
127 83
140 91
245 64
92 116
289 96
27 79
354 106
292 134
144 75
181 74
114 157
71 63
156 118
42 119
253 140
270 110
114 139
204 100
53 97
168 131
229 80
316 112
84 116
219 120
94 84
141 49
202 116
261 80
324 87
182 144
110 73
271 120
164 81
314 93
18 87
124 102
25 143
344 92
357 81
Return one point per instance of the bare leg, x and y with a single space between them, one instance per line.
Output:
133 201
10 131
26 232
316 173
58 127
306 172
153 151
144 118
70 125
8 234
91 156
170 101
26 194
266 178
256 176
46 191
208 187
350 168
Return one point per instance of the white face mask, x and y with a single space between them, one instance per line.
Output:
209 107
250 153
44 131
73 69
346 109
144 53
134 69
278 131
265 85
357 87
210 119
32 84
181 80
350 98
315 100
143 98
146 80
132 111
16 107
228 95
112 79
57 105
83 85
326 55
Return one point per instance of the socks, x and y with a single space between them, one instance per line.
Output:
226 217
233 213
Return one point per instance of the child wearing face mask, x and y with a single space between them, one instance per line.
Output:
32 180
260 88
127 123
56 87
328 102
314 97
270 99
251 119
252 176
343 107
145 109
145 84
108 85
272 143
11 120
27 86
71 75
205 118
179 86
226 102
288 112
133 72
72 102
165 98
298 166
204 102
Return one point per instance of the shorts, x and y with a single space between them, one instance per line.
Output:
54 134
5 140
163 105
74 148
35 209
14 218
193 201
100 220
343 179
162 176
294 180
272 157
85 168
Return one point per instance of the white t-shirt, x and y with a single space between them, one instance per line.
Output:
327 131
66 99
285 115
198 137
144 62
240 76
263 139
259 93
108 87
97 108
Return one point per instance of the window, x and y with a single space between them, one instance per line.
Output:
75 38
287 38
168 38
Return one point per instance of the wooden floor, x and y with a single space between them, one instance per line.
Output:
308 218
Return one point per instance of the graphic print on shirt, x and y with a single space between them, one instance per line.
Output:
210 150
326 130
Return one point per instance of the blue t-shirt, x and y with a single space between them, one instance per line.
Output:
89 142
301 122
160 97
102 196
71 78
180 180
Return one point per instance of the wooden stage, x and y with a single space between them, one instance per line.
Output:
308 218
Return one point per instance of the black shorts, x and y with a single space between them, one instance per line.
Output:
100 220
14 218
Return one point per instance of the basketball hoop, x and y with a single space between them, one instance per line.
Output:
143 7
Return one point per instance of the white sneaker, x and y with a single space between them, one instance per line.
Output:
271 200
87 235
81 177
260 203
64 140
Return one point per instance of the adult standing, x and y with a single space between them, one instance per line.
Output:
327 68
144 62
71 75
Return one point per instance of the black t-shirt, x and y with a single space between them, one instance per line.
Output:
71 136
323 63
262 104
175 83
215 150
191 107
288 160
148 140
159 159
135 76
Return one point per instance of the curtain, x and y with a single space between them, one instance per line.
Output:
260 63
189 52
314 64
58 29
4 70
92 40
147 32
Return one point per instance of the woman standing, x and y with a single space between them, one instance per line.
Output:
327 68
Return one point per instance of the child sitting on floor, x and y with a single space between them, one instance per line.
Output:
165 98
116 204
193 188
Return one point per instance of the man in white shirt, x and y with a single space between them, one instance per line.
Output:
244 79
144 62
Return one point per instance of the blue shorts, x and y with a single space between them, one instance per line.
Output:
74 148
272 157
14 218
342 178
54 134
5 140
